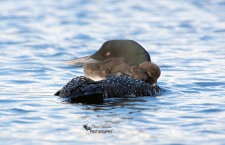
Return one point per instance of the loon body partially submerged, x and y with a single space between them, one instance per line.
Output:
85 90
123 68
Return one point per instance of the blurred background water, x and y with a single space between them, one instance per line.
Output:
185 38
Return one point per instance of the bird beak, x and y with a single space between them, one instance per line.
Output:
155 83
81 61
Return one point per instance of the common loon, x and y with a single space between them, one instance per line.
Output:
123 68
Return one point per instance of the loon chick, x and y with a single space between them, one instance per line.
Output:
146 71
111 54
85 90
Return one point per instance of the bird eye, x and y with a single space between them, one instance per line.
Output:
107 54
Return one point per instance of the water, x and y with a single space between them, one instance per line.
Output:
185 38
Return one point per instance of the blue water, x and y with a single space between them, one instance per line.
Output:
186 38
